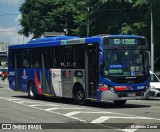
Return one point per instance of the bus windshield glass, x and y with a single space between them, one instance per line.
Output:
118 62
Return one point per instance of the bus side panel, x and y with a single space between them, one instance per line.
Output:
56 82
19 79
38 80
71 77
47 84
26 76
67 82
11 79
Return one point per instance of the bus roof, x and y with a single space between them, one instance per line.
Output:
47 39
119 36
42 42
65 40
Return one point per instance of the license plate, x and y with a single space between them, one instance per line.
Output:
131 95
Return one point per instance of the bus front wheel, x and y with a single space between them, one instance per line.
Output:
31 90
120 102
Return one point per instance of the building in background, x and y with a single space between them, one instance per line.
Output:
3 54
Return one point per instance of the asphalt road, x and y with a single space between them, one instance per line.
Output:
63 115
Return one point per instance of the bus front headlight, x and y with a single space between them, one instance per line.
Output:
110 88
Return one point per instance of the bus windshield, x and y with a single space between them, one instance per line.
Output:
118 62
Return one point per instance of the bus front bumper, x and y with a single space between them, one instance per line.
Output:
109 96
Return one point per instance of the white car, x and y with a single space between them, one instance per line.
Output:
154 85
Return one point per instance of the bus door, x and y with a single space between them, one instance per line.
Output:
91 68
18 70
46 75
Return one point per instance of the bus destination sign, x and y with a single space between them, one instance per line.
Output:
124 41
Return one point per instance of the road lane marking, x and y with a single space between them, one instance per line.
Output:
104 118
13 99
155 107
54 112
72 113
128 130
66 108
40 104
97 112
100 119
91 111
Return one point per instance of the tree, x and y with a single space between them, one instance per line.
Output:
46 16
120 16
103 17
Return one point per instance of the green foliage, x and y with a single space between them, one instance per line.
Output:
103 17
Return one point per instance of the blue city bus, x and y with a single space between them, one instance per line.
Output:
100 68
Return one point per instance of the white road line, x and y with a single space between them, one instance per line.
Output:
97 112
58 114
100 119
133 116
91 111
72 113
35 105
85 112
155 107
20 102
10 99
104 118
128 130
13 99
66 108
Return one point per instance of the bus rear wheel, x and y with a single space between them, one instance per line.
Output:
79 96
32 91
120 102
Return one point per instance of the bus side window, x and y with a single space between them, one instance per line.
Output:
12 59
69 57
36 58
26 58
19 58
58 57
79 57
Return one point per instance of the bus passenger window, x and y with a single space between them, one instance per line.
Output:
79 57
25 63
37 64
26 57
12 60
36 58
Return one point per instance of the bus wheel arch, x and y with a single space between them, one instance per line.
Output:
79 94
31 90
120 102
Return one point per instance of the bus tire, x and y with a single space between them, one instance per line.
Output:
79 96
32 91
120 102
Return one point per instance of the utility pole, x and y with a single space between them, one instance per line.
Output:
152 43
88 23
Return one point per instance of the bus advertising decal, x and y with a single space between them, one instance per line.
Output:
37 83
66 74
12 73
24 74
56 82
